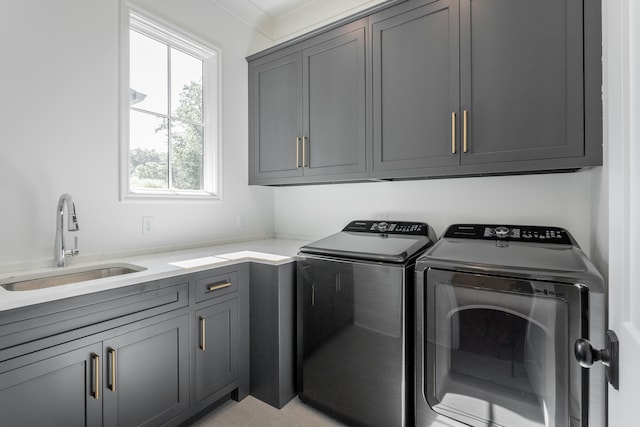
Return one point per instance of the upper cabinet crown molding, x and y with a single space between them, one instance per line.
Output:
284 19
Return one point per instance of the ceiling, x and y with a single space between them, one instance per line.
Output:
277 8
281 19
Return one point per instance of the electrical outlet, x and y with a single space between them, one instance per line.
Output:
147 225
241 220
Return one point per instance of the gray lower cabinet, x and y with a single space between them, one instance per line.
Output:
216 360
273 328
128 356
137 378
307 110
146 374
59 390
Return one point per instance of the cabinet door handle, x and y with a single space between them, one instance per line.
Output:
464 131
298 152
214 287
313 295
453 133
96 376
203 343
112 368
304 156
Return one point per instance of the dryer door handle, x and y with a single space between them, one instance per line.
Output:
586 355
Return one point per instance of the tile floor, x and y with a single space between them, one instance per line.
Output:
252 412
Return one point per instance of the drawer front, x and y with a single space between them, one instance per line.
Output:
99 311
216 285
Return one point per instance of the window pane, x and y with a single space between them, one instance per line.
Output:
187 150
186 86
148 155
148 72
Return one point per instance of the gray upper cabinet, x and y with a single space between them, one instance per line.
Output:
521 80
449 88
308 110
415 88
479 87
276 120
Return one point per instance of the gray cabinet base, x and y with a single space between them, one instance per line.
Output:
272 323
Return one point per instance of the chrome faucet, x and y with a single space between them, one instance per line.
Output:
59 251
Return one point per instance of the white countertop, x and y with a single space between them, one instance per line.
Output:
157 266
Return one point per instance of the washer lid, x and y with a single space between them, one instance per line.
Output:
370 243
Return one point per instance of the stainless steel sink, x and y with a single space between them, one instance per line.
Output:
58 278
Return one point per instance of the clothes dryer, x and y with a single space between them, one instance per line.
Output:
499 310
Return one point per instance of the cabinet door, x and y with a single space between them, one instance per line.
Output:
415 88
276 118
57 391
334 106
522 79
217 352
146 374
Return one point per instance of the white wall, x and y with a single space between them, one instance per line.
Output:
59 116
563 200
59 132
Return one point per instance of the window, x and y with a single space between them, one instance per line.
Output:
170 134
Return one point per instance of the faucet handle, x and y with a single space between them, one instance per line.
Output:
75 251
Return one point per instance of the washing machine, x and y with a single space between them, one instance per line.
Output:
355 321
499 309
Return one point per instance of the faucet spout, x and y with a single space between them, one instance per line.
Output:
59 249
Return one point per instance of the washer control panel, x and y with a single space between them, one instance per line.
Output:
510 233
389 227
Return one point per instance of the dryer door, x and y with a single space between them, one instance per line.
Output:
499 350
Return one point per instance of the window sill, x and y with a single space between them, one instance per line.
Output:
171 196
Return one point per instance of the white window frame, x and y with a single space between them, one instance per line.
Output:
151 26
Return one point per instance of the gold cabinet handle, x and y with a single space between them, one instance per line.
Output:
453 133
112 359
304 156
96 376
464 131
214 287
298 152
203 344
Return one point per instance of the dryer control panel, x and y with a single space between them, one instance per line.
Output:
510 233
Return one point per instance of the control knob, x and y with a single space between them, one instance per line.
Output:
382 226
501 232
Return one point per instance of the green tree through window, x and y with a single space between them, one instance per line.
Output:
173 104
